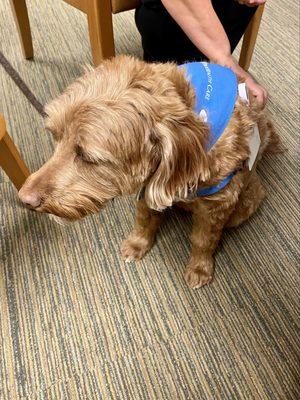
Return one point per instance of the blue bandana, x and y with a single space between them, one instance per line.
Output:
216 89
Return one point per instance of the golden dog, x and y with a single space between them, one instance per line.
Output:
128 125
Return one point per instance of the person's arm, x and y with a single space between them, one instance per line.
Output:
251 3
201 24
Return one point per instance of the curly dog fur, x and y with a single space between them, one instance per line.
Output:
127 125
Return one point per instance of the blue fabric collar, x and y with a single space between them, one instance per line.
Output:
216 89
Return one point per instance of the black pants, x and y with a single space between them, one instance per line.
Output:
163 39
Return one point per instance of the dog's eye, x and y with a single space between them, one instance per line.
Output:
79 151
83 156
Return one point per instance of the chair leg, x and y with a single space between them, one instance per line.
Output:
100 29
250 38
10 159
22 22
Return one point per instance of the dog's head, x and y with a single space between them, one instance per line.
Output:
122 126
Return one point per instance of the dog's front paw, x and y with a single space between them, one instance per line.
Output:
134 248
199 274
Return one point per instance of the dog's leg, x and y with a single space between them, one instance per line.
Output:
143 234
248 203
208 225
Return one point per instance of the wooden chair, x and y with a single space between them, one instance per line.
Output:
10 159
249 38
22 22
99 14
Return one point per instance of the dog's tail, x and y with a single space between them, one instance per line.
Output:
274 144
272 141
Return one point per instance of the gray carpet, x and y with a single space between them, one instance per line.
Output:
78 323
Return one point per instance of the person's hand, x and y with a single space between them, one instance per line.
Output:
251 3
258 91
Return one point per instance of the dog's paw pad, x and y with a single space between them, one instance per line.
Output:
197 278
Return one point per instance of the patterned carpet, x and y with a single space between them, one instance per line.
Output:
78 323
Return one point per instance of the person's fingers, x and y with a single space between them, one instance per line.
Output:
262 96
258 95
258 91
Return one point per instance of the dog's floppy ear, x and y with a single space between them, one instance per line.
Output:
183 162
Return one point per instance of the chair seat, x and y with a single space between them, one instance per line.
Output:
123 5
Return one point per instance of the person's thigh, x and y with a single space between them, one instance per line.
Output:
234 18
163 39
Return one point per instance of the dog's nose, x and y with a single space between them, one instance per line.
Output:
32 200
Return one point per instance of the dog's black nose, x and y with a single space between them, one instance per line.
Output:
30 199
